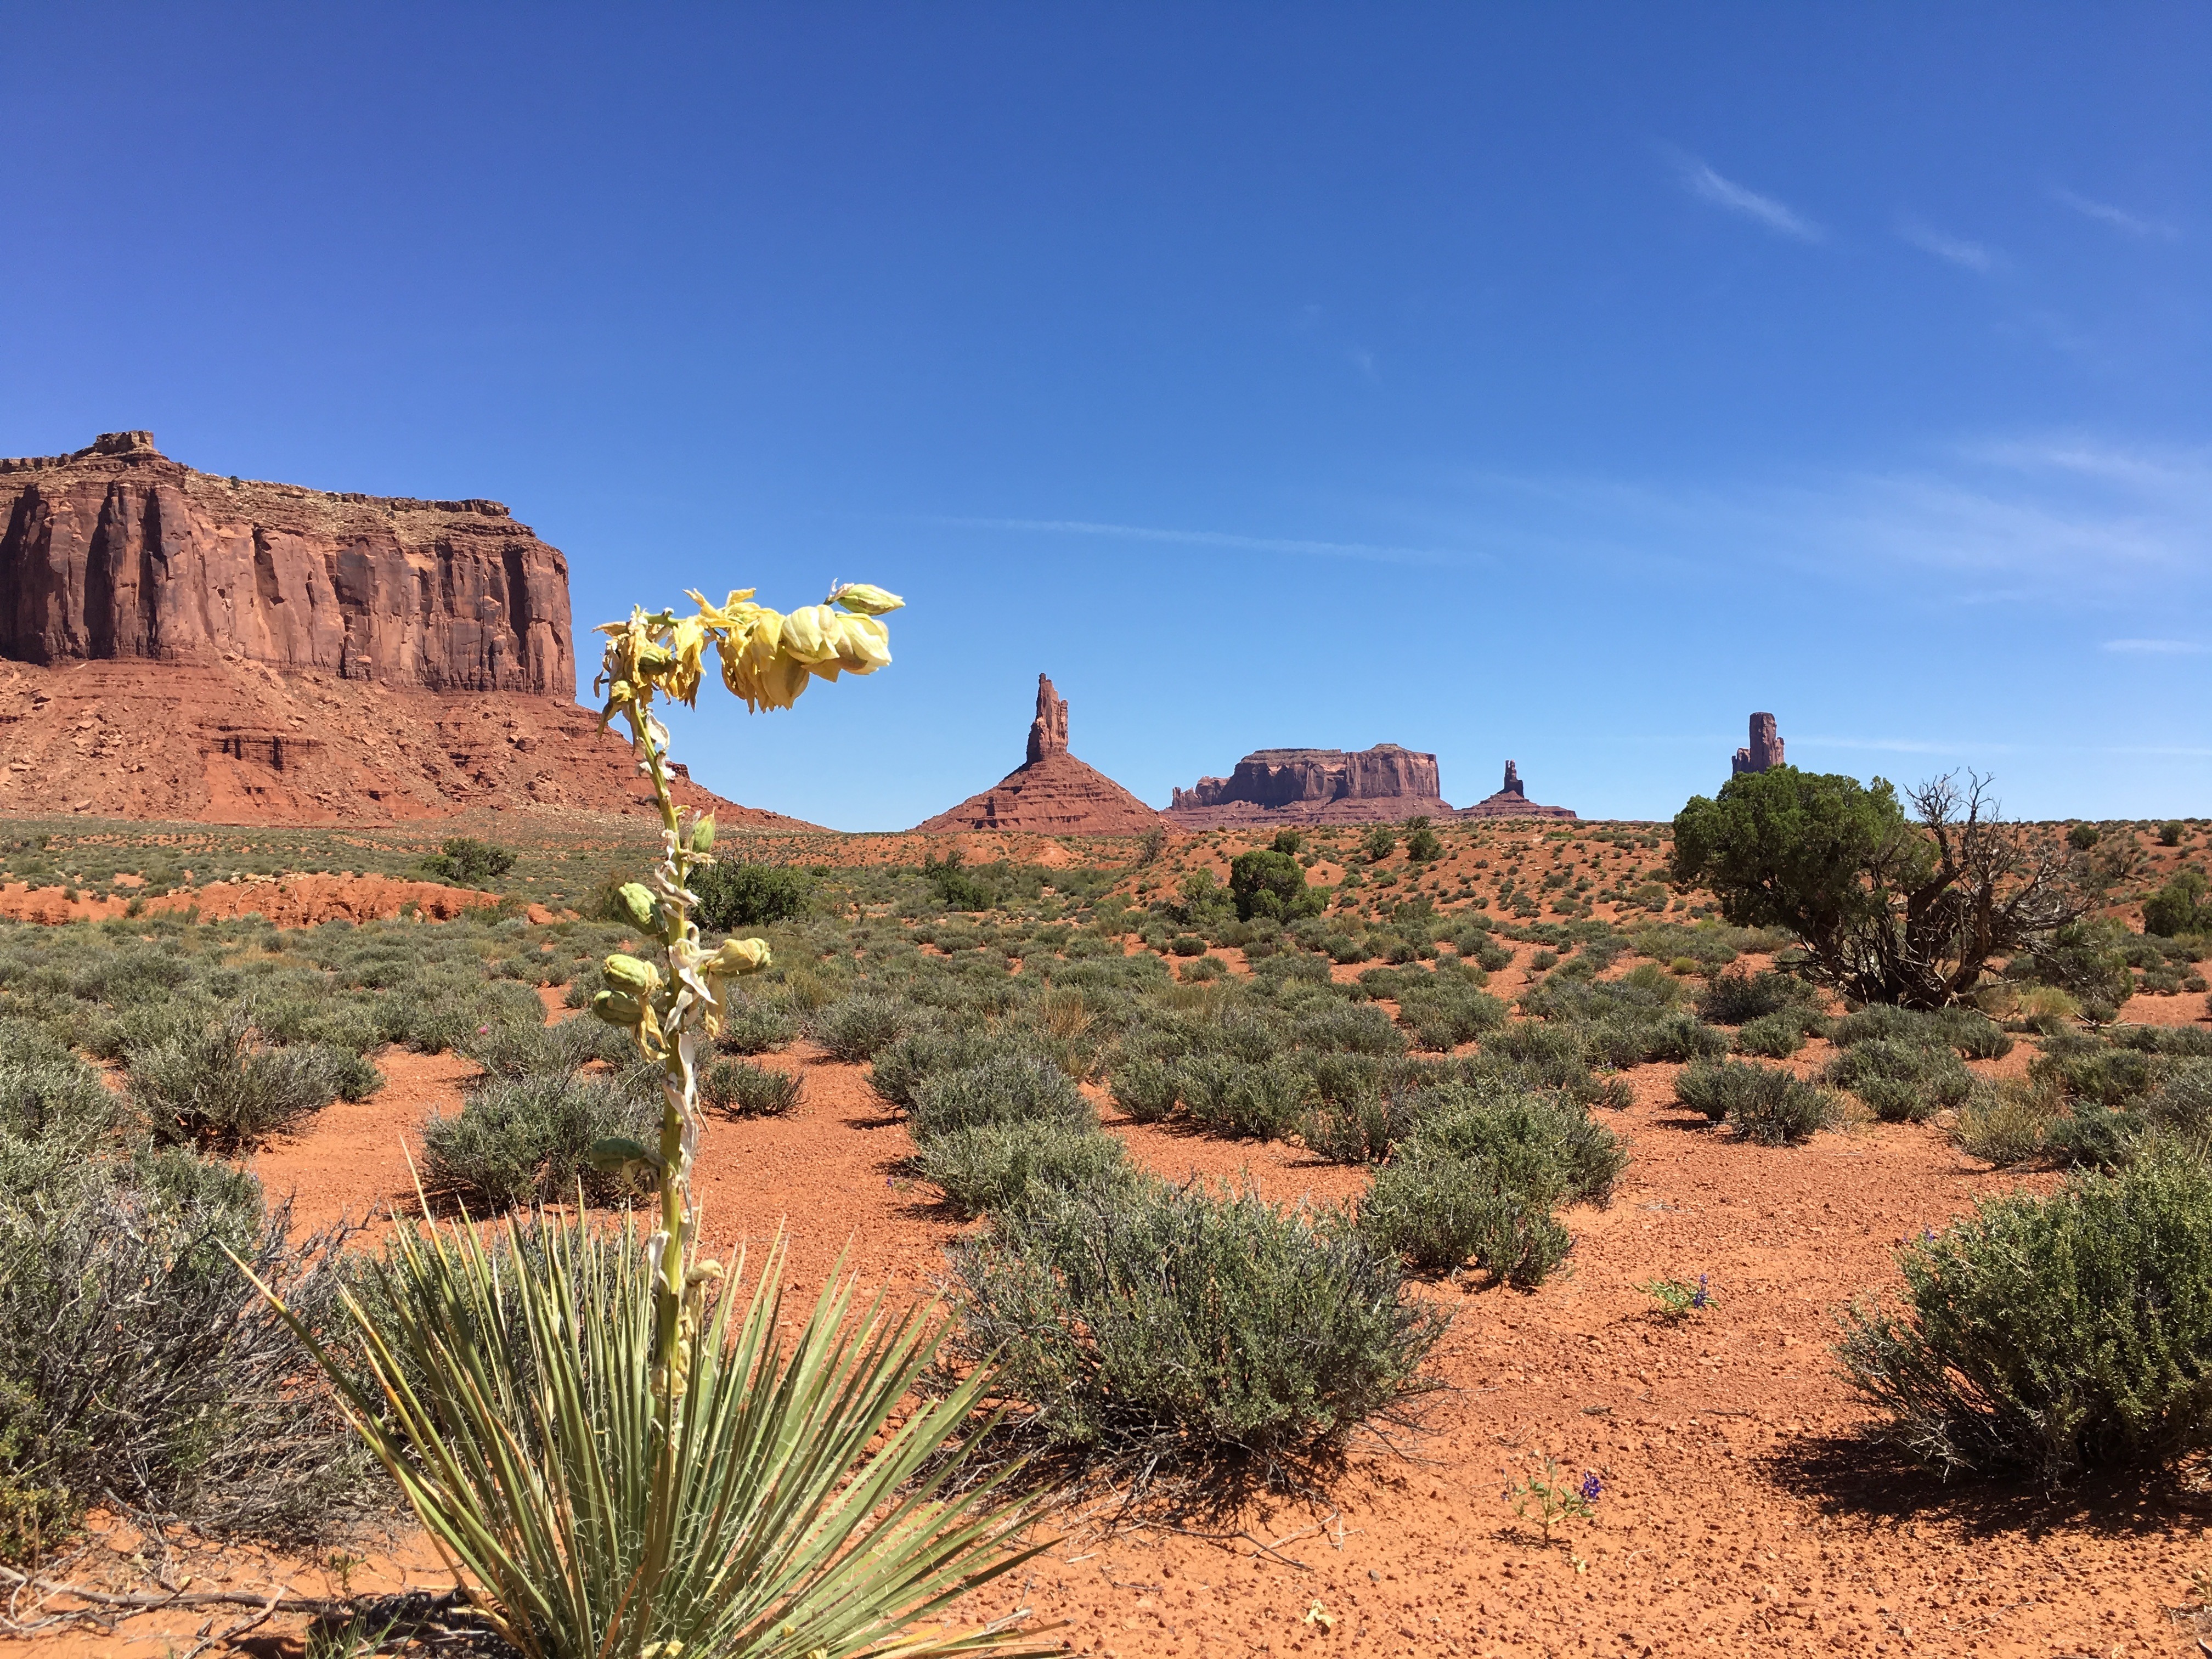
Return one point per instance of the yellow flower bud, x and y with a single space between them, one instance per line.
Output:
868 601
639 979
740 956
637 903
702 835
619 1008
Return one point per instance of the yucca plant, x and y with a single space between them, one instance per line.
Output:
617 1464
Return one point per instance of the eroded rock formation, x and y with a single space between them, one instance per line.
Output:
1511 802
1765 749
1052 793
1380 785
190 646
117 552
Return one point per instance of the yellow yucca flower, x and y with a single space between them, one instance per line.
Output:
738 956
869 601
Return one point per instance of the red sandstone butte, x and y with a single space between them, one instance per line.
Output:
1052 793
1511 802
178 645
1382 785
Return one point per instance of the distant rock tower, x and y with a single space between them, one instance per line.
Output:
1765 749
1049 731
1512 786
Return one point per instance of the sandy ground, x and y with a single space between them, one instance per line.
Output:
1739 1512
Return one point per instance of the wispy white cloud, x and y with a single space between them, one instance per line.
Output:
2158 648
2119 218
1225 539
1709 187
1956 250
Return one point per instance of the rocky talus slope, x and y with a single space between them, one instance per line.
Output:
178 644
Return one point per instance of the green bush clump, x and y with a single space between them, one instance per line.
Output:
1902 1081
514 1140
513 1048
734 896
136 1372
1585 1158
985 1168
1145 1088
220 1089
744 1090
752 1027
859 1027
1765 1104
1438 1212
1148 1325
466 862
1265 883
1738 999
1010 1089
2054 1336
1776 1036
2179 906
1234 1097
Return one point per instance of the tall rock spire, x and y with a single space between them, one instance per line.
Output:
1049 731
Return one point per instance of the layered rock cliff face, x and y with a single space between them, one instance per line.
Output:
118 552
1381 785
189 647
1052 793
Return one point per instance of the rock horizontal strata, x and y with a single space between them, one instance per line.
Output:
1051 792
1381 785
118 552
178 644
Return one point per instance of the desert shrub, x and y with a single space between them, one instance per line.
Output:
1738 999
1145 1088
1011 1088
1776 1036
861 1026
137 1371
1200 970
1902 1081
744 1090
46 1093
1681 1038
513 1141
1357 1027
1765 1104
2179 906
903 1065
2008 1122
219 1089
2052 1335
1451 1008
511 1049
987 1167
466 862
2169 833
1586 1158
1147 1324
1265 883
1361 1125
2096 1138
1438 1212
1239 1097
1187 944
2093 1072
734 896
1422 845
752 1027
2088 958
2081 837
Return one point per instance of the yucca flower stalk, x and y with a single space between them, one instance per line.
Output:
616 1465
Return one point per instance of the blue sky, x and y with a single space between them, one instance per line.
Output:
1553 382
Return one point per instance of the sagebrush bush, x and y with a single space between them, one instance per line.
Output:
859 1027
987 1167
1146 1089
1012 1088
1776 1036
1438 1212
753 1027
1586 1158
1766 1103
531 1138
1147 1325
1238 1098
513 1048
2008 1122
220 1089
1902 1081
1738 999
744 1090
137 1371
2052 1335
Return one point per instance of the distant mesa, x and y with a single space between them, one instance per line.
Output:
1764 751
1511 802
1382 785
176 644
1052 793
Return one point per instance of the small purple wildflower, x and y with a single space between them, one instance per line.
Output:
1703 1296
1591 1487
